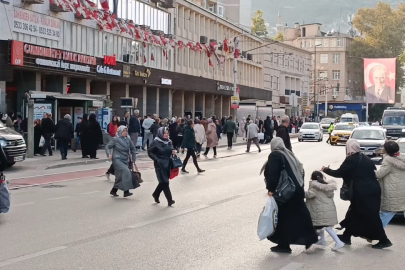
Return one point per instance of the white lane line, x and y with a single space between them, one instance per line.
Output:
91 192
31 256
23 204
293 266
57 198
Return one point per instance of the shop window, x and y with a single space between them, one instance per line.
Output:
73 37
119 52
84 40
90 41
134 58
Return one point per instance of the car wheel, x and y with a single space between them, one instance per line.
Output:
299 140
9 165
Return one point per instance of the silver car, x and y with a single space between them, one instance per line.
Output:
310 131
371 140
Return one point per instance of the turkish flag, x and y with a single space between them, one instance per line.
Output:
210 62
104 5
144 59
237 53
181 44
226 47
152 57
379 80
238 89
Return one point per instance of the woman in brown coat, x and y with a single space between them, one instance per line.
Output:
212 138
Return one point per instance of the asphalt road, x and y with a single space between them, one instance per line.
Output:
77 225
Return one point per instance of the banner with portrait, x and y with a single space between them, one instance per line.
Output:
379 80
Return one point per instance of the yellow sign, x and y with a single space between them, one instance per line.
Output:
234 102
145 74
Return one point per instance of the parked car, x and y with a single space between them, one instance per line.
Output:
341 133
13 145
371 140
310 131
325 123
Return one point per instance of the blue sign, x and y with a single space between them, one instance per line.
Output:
342 107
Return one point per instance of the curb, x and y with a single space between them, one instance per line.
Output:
96 161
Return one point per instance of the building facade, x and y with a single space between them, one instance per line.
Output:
159 53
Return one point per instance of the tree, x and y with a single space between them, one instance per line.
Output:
259 24
279 37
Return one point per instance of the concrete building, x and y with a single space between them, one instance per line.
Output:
151 54
333 69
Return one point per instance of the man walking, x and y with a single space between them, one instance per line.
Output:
252 136
283 133
330 130
47 126
148 136
229 129
134 128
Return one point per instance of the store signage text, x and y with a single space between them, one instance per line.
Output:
36 24
110 60
166 81
225 87
62 65
126 71
145 74
108 71
59 54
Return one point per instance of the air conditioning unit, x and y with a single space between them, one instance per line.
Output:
244 54
125 58
212 8
168 4
249 57
203 40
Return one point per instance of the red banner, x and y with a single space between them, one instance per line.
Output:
379 80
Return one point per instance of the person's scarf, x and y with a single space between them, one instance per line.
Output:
277 144
160 136
352 147
119 132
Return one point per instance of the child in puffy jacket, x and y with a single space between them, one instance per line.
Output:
319 200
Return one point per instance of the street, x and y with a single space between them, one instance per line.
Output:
75 224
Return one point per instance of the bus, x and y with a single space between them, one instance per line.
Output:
349 118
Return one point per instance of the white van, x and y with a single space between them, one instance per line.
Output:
349 118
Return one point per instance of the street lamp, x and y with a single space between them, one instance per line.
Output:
316 98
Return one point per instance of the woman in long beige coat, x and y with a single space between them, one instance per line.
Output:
392 181
212 138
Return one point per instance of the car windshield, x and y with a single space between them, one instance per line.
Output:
368 135
344 127
327 121
394 118
310 126
346 120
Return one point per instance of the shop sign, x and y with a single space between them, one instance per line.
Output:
36 24
166 81
225 87
96 103
234 102
110 60
40 109
145 74
108 71
126 71
62 65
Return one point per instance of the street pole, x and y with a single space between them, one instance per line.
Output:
315 100
367 112
235 84
30 129
326 101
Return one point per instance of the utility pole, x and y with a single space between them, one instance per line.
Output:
326 101
30 129
316 108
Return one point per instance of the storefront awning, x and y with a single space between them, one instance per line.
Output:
73 96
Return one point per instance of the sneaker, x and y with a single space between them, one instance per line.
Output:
201 171
107 175
338 246
184 171
321 242
215 156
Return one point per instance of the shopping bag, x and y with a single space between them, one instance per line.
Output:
174 173
260 136
176 162
137 172
4 195
268 219
41 142
135 180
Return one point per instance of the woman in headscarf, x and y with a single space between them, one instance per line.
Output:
363 217
173 133
212 138
85 137
161 151
294 225
242 130
124 149
199 131
95 136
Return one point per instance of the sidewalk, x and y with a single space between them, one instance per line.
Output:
75 159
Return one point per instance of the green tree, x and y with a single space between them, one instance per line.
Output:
279 37
259 24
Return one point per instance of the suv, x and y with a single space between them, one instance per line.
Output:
13 145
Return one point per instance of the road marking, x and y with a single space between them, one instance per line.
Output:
57 198
293 266
91 192
31 256
23 204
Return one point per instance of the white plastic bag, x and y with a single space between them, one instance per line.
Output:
268 219
42 142
260 136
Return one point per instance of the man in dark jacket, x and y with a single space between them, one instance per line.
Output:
229 129
268 130
64 134
283 133
134 128
47 126
78 131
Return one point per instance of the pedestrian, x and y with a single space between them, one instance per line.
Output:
391 178
85 136
134 128
321 206
173 133
78 130
294 225
229 129
47 127
330 130
123 121
252 136
204 123
223 121
268 127
64 133
6 119
148 135
161 151
219 129
123 153
127 117
37 136
200 138
212 138
113 127
363 217
283 132
260 124
180 134
242 129
95 135
154 128
189 143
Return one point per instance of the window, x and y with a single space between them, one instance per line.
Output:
221 11
324 59
336 75
287 92
339 42
323 74
336 58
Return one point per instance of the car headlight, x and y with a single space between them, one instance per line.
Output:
403 130
3 142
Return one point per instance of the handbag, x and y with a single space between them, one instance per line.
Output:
137 172
174 173
346 191
135 180
285 188
176 162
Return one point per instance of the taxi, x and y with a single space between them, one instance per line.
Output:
341 133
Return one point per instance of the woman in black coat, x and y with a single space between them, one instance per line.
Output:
294 225
84 136
363 217
173 132
161 151
189 144
95 136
